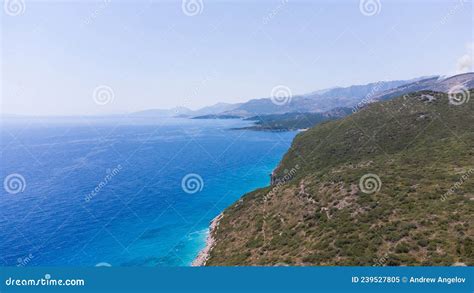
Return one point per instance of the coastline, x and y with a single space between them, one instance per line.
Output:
203 255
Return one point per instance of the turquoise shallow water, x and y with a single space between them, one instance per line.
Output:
111 190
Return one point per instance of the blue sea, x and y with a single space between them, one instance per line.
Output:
123 191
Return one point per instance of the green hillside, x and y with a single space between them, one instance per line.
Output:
417 208
294 121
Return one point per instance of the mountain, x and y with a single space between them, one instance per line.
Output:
215 109
294 121
185 112
319 101
438 84
392 184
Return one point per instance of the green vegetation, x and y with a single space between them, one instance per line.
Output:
419 145
294 121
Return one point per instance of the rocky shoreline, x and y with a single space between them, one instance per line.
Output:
203 255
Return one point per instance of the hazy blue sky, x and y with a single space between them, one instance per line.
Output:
153 55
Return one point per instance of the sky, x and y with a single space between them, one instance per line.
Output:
108 57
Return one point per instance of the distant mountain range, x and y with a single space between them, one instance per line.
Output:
438 84
295 120
185 112
319 101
